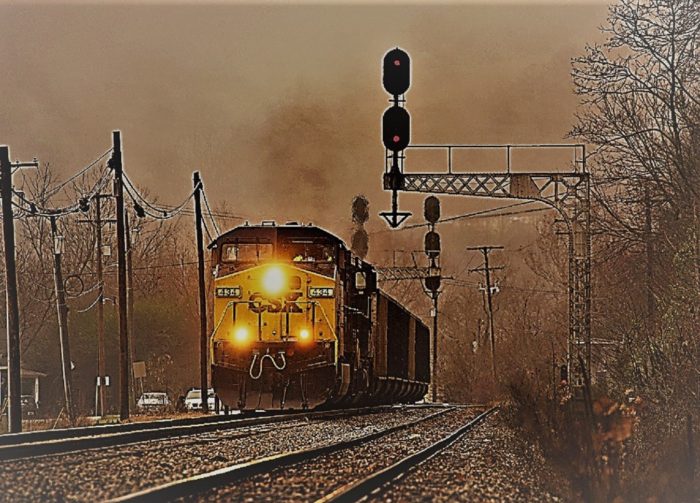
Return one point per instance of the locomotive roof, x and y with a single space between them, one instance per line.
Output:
272 232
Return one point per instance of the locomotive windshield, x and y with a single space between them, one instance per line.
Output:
302 248
308 254
305 251
246 252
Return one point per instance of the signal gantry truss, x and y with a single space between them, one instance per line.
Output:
567 192
403 273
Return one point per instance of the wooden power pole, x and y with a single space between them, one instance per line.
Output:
130 305
486 269
203 339
62 320
14 379
99 221
116 165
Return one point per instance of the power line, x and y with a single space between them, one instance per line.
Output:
80 173
40 211
475 214
460 282
167 213
213 221
206 229
218 214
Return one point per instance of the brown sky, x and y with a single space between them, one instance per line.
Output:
279 106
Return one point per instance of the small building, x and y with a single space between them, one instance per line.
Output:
30 385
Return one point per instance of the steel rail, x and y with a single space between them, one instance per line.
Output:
86 431
198 484
358 490
116 435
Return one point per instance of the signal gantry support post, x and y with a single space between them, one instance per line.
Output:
14 379
62 310
203 339
116 164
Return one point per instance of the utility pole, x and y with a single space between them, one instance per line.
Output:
116 164
62 319
100 309
489 298
14 379
101 377
130 306
203 340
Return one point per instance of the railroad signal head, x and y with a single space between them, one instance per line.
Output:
396 128
360 209
396 74
432 283
431 209
432 244
360 242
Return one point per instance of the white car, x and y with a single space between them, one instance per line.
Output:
193 400
153 401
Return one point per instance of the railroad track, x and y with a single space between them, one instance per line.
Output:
41 443
373 483
201 483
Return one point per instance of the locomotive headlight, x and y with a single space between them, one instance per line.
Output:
274 280
304 334
240 335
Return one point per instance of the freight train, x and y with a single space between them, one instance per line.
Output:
300 323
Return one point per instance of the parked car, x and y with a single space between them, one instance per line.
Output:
193 400
29 406
153 401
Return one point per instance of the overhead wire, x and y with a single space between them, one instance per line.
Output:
218 214
167 214
91 305
40 211
461 282
206 229
474 214
470 214
80 173
217 229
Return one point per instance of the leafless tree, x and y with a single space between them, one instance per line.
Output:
640 98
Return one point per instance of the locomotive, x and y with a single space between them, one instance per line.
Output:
300 323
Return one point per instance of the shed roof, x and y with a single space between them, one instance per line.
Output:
25 372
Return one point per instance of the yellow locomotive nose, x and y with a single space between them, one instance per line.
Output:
274 280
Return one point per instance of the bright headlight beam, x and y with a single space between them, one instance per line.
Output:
304 334
273 280
241 334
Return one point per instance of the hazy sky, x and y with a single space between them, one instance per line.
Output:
279 106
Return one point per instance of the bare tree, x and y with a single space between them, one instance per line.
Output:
640 97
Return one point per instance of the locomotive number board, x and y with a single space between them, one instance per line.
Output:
319 292
228 292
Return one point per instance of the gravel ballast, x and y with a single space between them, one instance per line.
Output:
100 474
493 462
314 479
